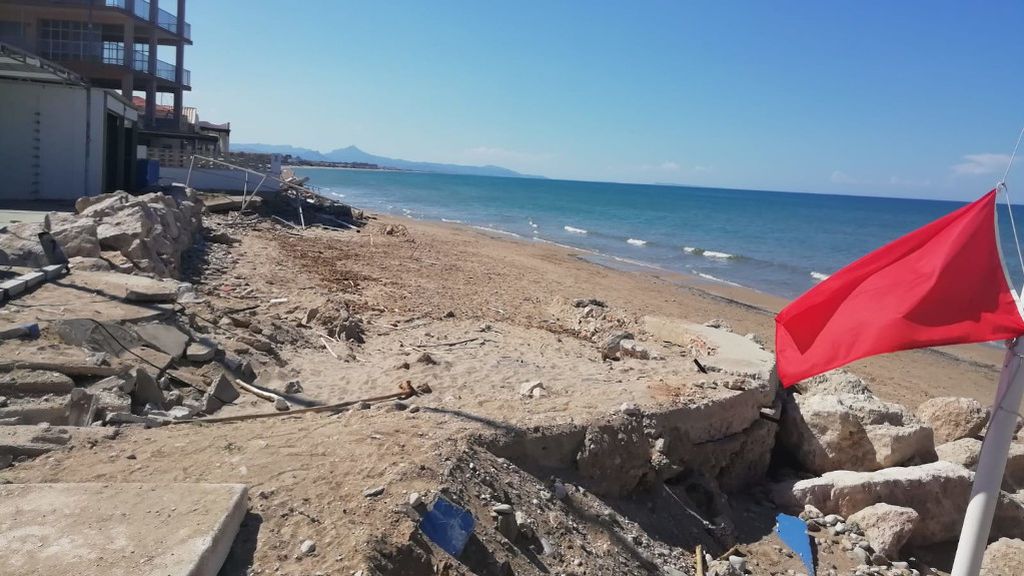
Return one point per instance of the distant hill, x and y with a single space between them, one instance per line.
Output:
354 154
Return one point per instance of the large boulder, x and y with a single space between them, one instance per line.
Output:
953 418
827 432
967 451
19 245
886 527
117 231
937 491
76 235
1003 557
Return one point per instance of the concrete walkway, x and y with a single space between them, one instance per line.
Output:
105 529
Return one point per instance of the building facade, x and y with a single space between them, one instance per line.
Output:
113 44
134 47
60 137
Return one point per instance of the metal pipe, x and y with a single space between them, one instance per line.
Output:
988 477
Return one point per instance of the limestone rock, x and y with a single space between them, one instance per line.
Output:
938 491
1003 557
886 527
827 432
77 236
967 451
81 264
953 418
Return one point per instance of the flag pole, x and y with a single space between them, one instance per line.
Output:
989 473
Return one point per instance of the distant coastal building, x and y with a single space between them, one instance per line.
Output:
132 49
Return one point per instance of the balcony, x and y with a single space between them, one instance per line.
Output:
164 19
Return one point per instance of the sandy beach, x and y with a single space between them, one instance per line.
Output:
474 316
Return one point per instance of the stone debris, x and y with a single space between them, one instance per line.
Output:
307 547
1003 557
373 492
937 491
859 432
886 527
953 418
967 451
532 389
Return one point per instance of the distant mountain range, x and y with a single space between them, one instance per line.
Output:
354 154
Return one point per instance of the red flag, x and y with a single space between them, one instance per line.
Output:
940 284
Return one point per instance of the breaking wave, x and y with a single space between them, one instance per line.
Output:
709 253
716 279
573 230
497 231
818 276
451 221
636 242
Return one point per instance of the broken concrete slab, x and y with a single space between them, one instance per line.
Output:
126 287
33 279
52 410
165 338
221 203
21 381
147 391
102 529
717 349
129 418
223 390
81 407
202 351
31 440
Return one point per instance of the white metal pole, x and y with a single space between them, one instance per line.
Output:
188 179
989 475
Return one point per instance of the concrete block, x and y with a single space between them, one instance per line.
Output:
103 529
54 271
33 279
13 287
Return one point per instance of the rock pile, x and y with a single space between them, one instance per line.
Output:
840 425
116 231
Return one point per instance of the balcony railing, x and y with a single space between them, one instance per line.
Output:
168 72
164 19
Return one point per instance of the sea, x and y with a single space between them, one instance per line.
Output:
779 243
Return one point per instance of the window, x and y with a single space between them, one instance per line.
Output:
65 40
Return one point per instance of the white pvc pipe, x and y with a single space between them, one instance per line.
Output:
989 475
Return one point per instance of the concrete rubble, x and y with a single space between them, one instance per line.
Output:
130 339
103 529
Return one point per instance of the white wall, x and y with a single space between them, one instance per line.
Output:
216 179
58 169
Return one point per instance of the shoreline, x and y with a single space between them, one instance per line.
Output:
908 377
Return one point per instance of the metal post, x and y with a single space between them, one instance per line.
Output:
302 219
191 163
989 475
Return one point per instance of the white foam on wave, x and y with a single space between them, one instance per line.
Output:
708 253
573 230
496 231
451 221
718 255
636 242
818 276
716 279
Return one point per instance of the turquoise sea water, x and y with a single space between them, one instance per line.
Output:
776 242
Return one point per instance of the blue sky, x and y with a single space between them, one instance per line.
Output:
914 98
